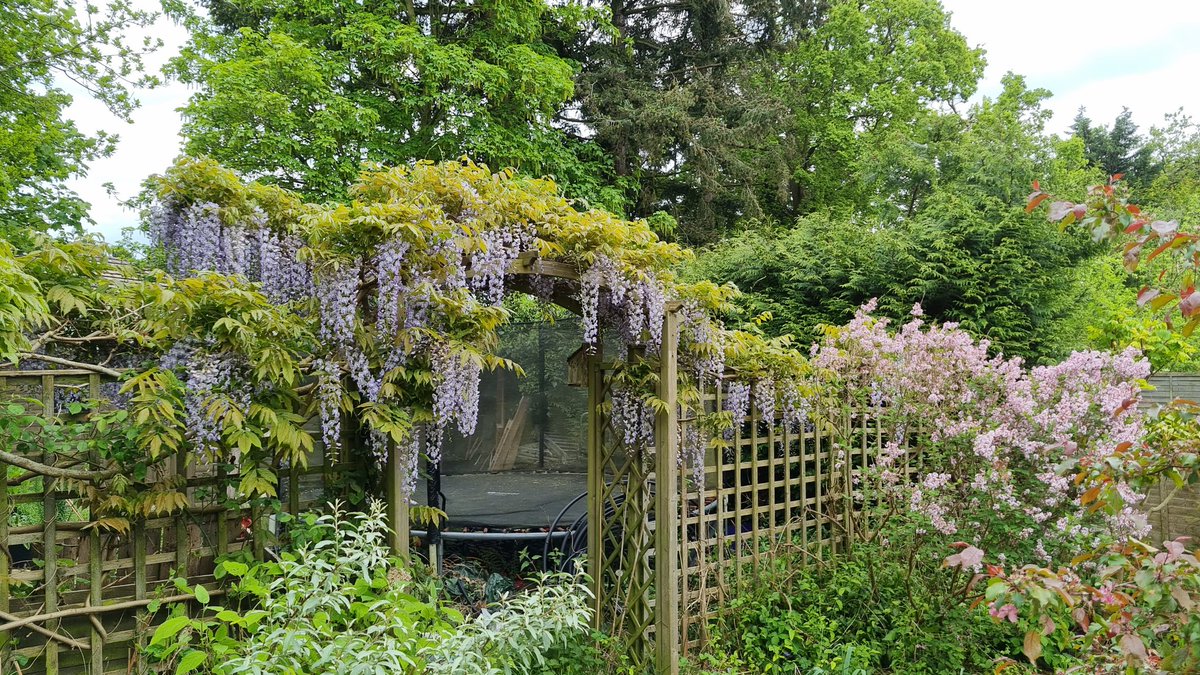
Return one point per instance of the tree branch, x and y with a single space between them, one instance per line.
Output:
54 471
72 364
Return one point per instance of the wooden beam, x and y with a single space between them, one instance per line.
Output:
666 507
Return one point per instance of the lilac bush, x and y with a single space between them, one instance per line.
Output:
979 448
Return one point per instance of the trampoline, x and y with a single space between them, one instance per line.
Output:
523 473
515 500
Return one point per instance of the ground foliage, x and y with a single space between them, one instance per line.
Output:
999 488
335 602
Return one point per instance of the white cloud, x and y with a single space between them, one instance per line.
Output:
147 145
1101 54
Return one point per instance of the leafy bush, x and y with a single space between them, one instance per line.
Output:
339 603
864 613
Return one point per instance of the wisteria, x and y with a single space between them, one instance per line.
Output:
500 247
633 417
284 276
455 396
191 236
208 377
709 361
329 397
395 278
196 239
764 399
795 408
737 404
693 445
389 271
590 283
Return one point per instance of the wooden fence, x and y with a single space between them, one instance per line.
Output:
775 488
74 597
1180 516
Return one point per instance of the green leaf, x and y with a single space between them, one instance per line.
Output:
201 594
169 629
191 660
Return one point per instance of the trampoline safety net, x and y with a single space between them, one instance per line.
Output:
534 422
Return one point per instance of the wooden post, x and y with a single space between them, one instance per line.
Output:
666 530
595 489
5 567
139 585
95 571
182 540
397 503
50 532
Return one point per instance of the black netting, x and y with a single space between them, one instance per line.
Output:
529 422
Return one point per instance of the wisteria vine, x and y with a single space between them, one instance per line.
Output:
405 288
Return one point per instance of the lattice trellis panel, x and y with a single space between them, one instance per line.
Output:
55 561
775 487
633 543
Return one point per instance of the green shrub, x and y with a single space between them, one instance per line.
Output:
861 613
340 604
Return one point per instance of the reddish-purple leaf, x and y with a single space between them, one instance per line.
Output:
1146 295
1035 199
1190 327
1162 301
1059 210
1133 646
1189 303
1165 228
1033 646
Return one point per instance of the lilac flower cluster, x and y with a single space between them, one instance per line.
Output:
995 436
633 417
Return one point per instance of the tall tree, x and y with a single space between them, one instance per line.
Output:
970 254
767 109
44 44
302 92
1119 149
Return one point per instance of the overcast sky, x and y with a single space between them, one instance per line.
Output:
1100 54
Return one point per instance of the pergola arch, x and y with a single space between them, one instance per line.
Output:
460 219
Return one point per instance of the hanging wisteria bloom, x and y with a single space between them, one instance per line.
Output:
633 417
737 403
455 396
489 265
329 396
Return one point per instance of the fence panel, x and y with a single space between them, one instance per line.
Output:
73 595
